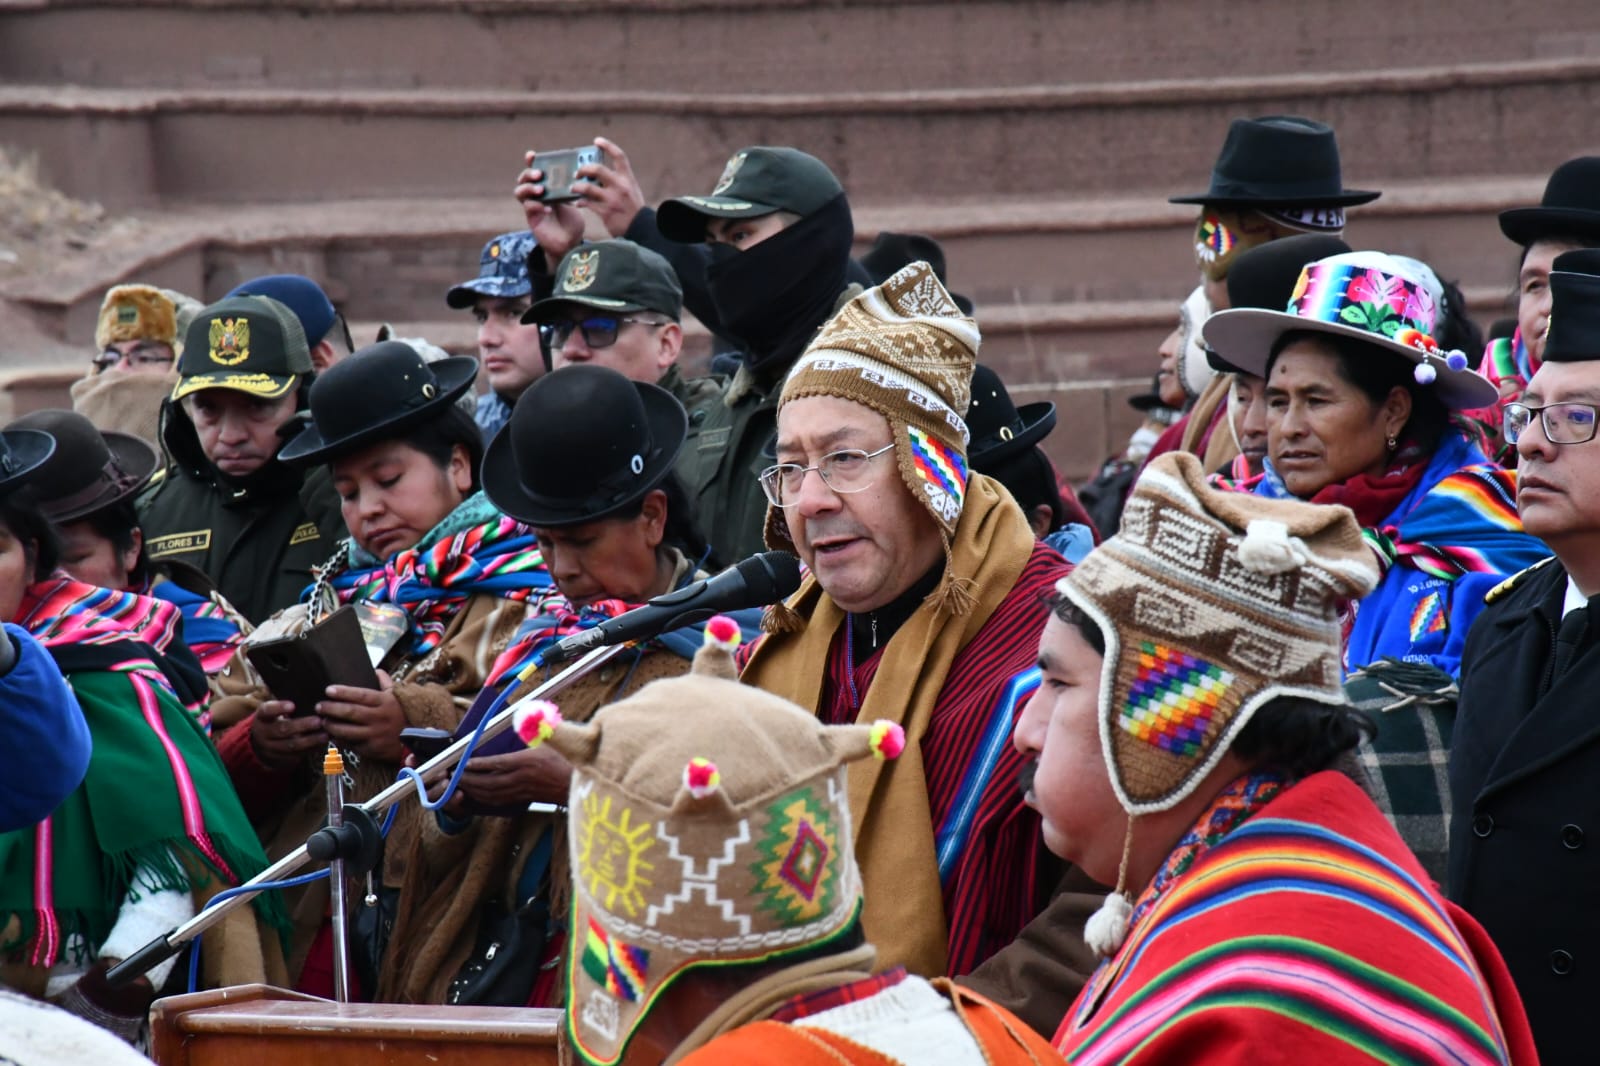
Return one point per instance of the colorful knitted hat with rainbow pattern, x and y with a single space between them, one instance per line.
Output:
709 826
905 350
1212 603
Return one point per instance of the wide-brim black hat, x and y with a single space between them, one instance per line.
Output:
1574 330
89 469
22 453
1570 207
582 444
374 395
999 428
1278 160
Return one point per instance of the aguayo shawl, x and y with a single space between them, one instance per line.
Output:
156 797
1293 920
1456 519
475 549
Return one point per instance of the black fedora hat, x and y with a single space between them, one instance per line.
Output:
1265 277
373 395
90 469
1570 207
1281 160
22 454
583 443
999 428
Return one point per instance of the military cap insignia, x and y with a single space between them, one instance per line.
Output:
581 271
127 315
494 250
230 341
729 172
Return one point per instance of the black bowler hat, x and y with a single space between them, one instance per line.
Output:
892 251
22 454
999 428
1279 160
583 443
1574 333
1265 276
90 469
1570 208
374 395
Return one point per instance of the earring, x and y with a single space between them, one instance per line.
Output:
1393 444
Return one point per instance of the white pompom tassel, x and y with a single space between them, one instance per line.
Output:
1107 927
1267 548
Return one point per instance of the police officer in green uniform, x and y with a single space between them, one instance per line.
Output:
224 504
1526 750
618 305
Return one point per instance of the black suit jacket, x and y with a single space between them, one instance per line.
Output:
1525 782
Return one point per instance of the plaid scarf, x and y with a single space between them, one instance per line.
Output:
475 549
156 799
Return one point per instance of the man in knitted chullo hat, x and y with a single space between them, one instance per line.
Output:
715 888
921 606
1185 740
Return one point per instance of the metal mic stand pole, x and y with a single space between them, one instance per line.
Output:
164 947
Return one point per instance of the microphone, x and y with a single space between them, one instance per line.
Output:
756 582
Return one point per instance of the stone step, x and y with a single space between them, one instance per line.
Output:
151 146
580 46
394 259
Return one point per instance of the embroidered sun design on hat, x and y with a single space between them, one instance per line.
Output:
611 855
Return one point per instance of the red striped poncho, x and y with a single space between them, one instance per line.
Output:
1306 934
991 847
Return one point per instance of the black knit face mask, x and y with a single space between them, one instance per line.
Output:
774 296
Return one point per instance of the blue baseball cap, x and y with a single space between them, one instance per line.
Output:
299 294
502 271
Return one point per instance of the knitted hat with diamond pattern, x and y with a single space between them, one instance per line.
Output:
1212 603
905 350
709 826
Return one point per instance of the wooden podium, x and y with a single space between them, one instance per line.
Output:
268 1026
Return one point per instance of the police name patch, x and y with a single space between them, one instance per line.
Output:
303 532
177 543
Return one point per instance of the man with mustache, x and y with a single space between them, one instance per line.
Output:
924 595
1524 758
225 504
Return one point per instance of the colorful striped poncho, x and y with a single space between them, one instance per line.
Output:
1307 933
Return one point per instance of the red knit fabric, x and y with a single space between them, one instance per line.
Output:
261 788
994 890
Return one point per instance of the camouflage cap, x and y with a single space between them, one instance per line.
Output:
757 181
253 344
502 271
611 276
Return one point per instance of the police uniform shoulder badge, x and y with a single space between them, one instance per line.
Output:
581 271
1510 583
230 341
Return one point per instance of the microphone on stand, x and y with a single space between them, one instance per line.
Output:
755 582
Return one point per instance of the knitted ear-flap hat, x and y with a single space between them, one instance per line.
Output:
709 826
1212 603
905 350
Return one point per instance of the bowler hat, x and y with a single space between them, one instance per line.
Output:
1574 333
90 469
1278 160
22 453
374 395
1570 207
583 443
999 428
1265 276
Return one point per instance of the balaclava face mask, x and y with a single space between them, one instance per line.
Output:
774 297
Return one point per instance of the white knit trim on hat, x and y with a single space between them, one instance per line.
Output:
918 393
